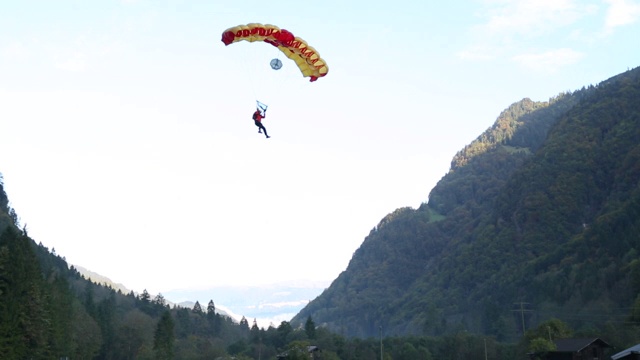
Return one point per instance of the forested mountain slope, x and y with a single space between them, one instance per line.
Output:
539 217
48 310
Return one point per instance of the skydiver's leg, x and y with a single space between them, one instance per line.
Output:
261 127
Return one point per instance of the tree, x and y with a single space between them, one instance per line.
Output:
197 308
539 340
86 334
310 328
164 337
134 336
213 319
244 327
160 300
254 333
184 326
211 309
237 347
550 329
540 347
89 303
297 350
283 331
25 322
106 320
145 304
145 297
408 352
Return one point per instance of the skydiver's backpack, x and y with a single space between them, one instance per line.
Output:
255 116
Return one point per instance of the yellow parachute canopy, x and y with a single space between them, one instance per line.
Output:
306 57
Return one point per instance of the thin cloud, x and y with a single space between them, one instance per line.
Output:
74 63
84 53
508 27
15 50
549 61
533 17
620 13
477 53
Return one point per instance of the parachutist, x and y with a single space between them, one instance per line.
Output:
258 115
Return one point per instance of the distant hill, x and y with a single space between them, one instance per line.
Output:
539 217
100 279
268 304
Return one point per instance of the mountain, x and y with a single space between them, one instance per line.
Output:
268 304
100 279
537 218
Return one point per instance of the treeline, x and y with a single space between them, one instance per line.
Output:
50 311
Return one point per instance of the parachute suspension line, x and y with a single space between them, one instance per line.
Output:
259 80
249 72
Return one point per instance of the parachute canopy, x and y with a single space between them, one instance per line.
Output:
306 57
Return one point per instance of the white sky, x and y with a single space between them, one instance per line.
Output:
127 143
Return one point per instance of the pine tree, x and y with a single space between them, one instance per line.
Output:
254 333
310 328
244 327
211 309
212 319
25 322
197 308
145 297
106 321
89 303
164 337
160 300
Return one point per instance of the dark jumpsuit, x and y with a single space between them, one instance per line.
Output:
257 117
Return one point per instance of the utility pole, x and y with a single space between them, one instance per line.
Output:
522 311
485 349
381 358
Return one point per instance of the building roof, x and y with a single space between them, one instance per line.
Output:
632 350
575 345
310 349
